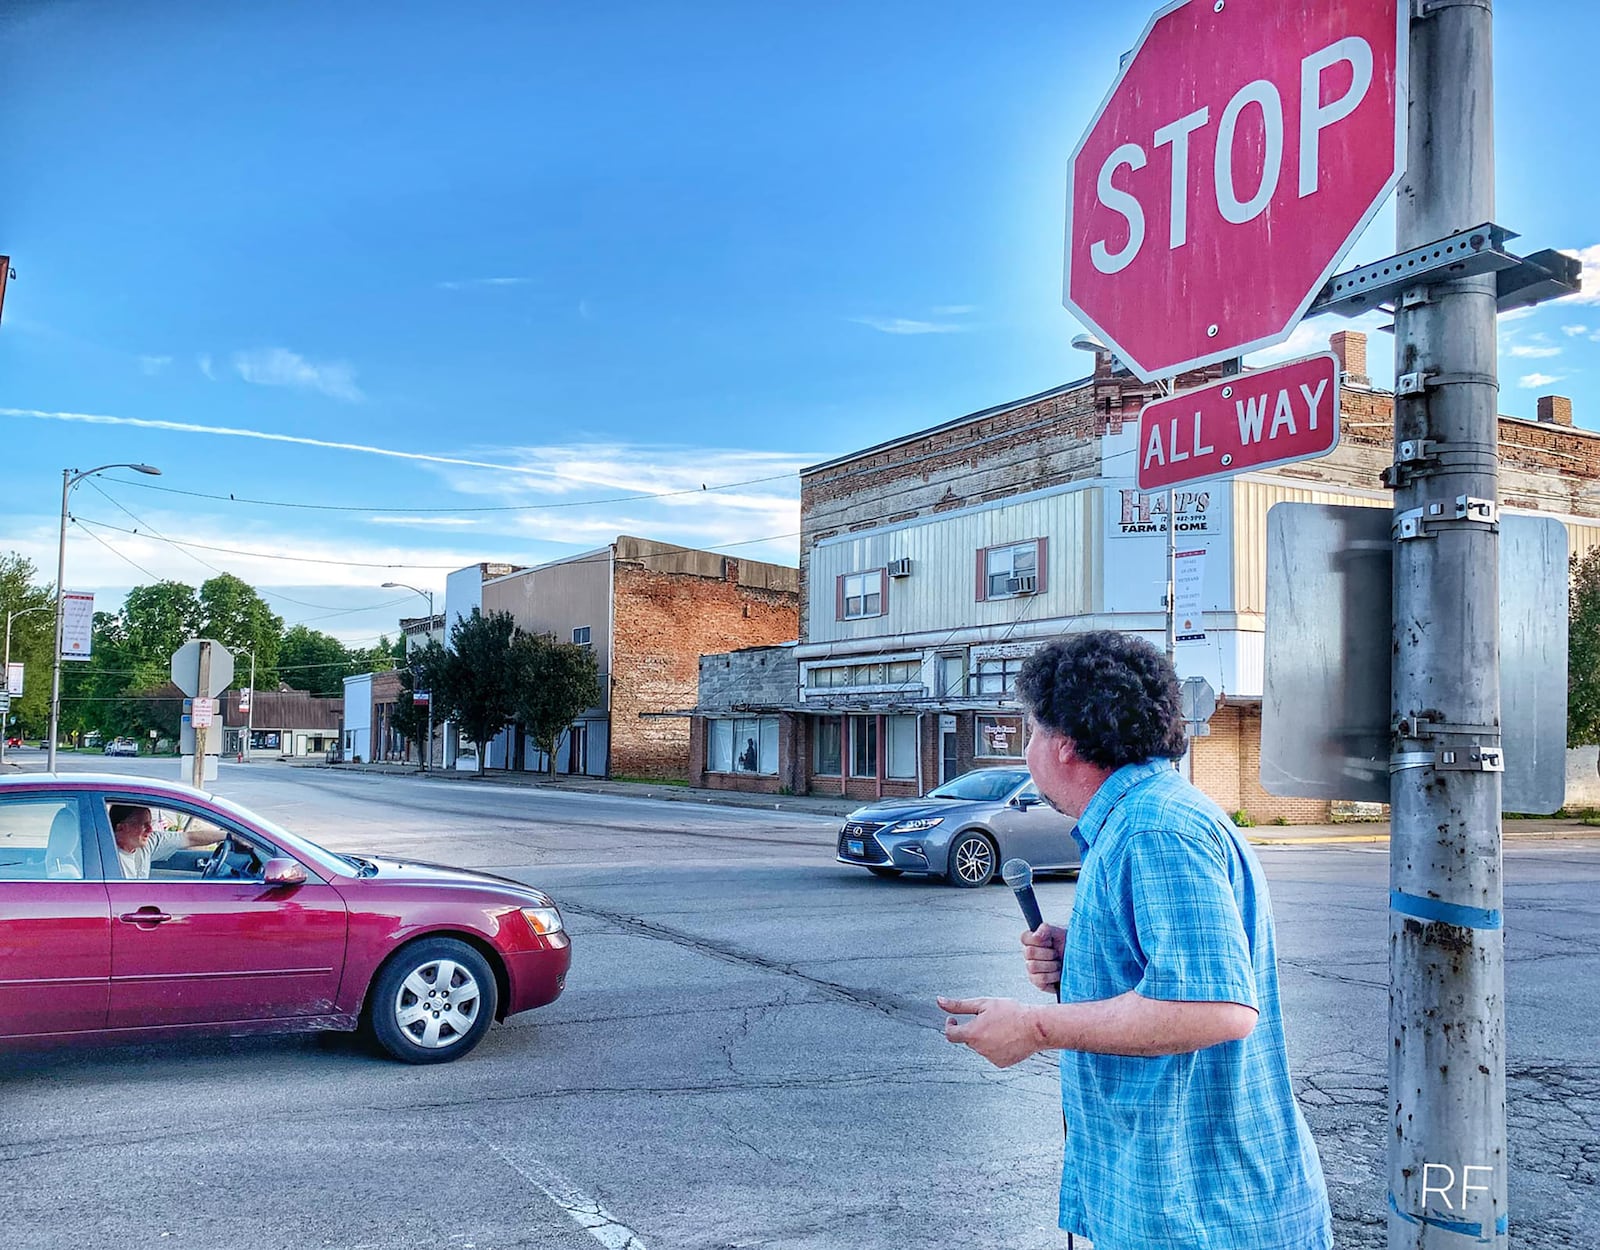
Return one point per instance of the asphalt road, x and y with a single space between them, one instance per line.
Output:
747 1055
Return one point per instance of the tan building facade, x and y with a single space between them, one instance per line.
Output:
933 564
649 611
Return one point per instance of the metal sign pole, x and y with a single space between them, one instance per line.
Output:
1447 1150
201 733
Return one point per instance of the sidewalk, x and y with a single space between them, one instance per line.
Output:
811 804
1353 833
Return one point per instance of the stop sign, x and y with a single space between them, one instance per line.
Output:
1239 154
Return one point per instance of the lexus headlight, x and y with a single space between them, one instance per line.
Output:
918 825
543 920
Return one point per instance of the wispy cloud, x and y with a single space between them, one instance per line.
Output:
1573 332
905 325
224 431
436 522
1531 381
1589 258
203 363
954 310
152 365
278 366
1528 351
471 284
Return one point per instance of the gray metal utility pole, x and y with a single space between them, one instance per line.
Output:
1447 1144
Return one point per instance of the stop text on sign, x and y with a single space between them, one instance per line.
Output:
1253 421
1239 154
1262 142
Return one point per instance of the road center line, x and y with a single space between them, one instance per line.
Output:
585 1212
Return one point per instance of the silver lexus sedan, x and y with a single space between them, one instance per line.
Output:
963 831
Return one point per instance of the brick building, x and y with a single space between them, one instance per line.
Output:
747 731
649 611
285 723
932 564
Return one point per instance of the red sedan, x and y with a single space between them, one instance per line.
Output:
140 909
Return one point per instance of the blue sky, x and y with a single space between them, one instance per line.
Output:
425 259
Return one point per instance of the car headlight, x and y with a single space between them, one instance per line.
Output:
543 920
921 823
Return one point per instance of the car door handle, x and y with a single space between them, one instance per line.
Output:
145 915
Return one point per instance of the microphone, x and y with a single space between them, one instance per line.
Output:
1018 874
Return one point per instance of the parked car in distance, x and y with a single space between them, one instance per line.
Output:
963 830
13 741
243 927
121 746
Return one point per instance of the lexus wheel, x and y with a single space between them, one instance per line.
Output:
971 861
433 1002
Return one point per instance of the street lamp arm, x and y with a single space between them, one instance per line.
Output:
75 477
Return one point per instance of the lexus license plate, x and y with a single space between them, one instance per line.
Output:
856 846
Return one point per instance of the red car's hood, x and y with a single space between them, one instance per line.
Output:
390 870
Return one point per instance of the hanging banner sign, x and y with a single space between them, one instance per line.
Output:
77 625
244 702
14 677
1188 580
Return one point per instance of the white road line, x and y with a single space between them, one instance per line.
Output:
585 1212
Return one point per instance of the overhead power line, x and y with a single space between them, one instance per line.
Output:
371 564
519 507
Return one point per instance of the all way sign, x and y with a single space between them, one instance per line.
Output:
1254 421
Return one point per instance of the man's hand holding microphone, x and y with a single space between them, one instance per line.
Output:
1002 1030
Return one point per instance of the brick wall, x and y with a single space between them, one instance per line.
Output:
664 623
1227 767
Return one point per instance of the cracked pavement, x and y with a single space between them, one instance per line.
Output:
747 1055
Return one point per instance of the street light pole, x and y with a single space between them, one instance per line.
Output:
69 479
427 750
11 616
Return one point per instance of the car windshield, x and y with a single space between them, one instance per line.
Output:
985 785
330 860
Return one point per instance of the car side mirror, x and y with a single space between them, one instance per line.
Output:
281 871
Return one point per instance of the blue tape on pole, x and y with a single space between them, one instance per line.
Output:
1445 913
1450 1226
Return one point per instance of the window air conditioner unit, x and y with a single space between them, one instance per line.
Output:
1027 584
900 567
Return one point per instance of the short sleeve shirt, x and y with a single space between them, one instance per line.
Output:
136 864
1199 1151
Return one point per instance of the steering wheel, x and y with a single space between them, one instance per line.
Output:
218 865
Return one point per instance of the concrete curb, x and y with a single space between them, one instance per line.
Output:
823 805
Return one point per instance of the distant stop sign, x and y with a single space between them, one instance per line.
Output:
1240 153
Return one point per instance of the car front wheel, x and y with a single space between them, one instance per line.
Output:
971 860
433 1002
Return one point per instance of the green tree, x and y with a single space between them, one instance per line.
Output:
30 641
557 681
1583 650
477 681
309 659
232 613
157 620
410 718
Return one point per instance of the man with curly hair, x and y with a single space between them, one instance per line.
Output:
1182 1129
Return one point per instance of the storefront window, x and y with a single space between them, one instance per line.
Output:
827 748
863 746
999 737
743 745
902 734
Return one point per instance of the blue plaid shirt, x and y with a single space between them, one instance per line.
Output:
1200 1151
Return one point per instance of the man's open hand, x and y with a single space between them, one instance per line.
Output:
1002 1030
